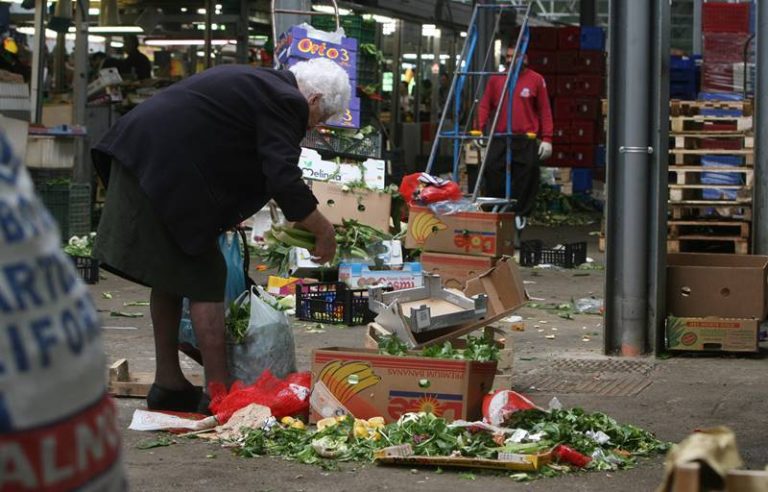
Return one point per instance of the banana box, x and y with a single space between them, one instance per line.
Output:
338 203
462 233
364 383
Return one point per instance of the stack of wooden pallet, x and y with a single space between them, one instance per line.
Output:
711 158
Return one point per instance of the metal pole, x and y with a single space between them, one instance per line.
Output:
82 169
394 119
209 6
38 64
588 12
629 163
697 8
761 131
242 33
59 63
418 74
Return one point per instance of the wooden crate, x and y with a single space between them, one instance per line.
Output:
701 140
679 107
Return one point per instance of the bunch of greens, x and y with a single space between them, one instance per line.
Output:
479 349
237 321
553 208
80 246
429 435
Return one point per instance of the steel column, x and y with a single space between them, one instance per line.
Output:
242 33
697 8
38 64
760 204
209 7
82 169
632 234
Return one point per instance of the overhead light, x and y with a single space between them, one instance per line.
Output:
187 42
430 30
327 9
51 34
116 44
93 12
183 9
463 34
116 29
201 11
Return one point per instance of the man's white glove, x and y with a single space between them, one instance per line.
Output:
545 151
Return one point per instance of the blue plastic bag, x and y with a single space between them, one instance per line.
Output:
229 244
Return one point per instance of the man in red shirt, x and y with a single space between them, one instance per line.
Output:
532 135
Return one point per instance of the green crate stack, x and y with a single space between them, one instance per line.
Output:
79 209
354 26
55 197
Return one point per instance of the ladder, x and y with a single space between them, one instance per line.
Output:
456 132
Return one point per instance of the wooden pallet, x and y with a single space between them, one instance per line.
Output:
714 124
690 477
601 243
679 193
700 228
678 107
692 244
135 385
692 174
687 157
683 211
694 140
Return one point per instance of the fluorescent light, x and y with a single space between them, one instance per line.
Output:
183 9
51 34
414 56
93 11
116 29
116 44
327 9
201 11
430 30
11 1
463 34
187 42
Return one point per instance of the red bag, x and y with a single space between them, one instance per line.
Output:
449 191
284 397
409 187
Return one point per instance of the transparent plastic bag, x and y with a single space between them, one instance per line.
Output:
448 207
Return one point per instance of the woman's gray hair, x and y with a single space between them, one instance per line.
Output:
322 76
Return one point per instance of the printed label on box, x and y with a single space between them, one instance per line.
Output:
315 168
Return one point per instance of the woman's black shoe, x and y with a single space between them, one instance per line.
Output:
186 400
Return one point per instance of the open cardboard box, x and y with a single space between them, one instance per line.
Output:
369 207
455 270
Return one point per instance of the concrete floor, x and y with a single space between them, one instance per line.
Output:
686 393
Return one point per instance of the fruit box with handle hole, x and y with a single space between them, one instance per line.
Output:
467 233
367 384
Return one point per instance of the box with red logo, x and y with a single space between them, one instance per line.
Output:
544 62
713 334
298 44
366 384
467 233
569 38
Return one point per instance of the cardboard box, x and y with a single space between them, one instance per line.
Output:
360 276
350 118
297 44
470 233
371 171
455 270
366 384
713 334
727 286
368 207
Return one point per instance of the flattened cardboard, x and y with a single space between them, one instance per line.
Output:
391 386
712 334
455 270
728 286
365 206
468 233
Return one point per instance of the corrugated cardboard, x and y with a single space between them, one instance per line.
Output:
728 286
359 276
365 206
313 167
471 233
455 270
367 384
712 334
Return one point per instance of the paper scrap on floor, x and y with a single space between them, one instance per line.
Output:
144 420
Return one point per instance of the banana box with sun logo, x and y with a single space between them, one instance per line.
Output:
467 233
367 384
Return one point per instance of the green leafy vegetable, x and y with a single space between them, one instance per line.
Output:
238 317
155 443
80 246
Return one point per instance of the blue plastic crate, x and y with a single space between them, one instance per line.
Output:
721 160
592 38
581 179
721 96
683 75
600 156
719 178
682 63
722 113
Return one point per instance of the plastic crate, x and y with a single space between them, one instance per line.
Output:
571 255
363 148
726 17
87 267
333 302
55 197
582 180
354 27
367 69
592 38
79 209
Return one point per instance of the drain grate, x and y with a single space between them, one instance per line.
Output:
605 377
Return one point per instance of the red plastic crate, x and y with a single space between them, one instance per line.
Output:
544 62
717 77
583 132
725 17
725 47
543 38
561 156
588 109
562 132
568 62
567 86
582 155
551 80
569 38
590 85
591 62
721 143
565 108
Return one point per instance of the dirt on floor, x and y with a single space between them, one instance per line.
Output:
554 356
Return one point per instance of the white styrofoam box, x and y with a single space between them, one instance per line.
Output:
50 152
313 166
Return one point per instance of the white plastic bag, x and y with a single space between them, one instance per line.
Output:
268 343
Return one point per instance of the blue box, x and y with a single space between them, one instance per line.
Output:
682 63
715 178
721 96
350 118
296 45
592 38
581 179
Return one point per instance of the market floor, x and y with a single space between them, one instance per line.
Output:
670 397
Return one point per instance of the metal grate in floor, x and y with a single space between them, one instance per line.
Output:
603 365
